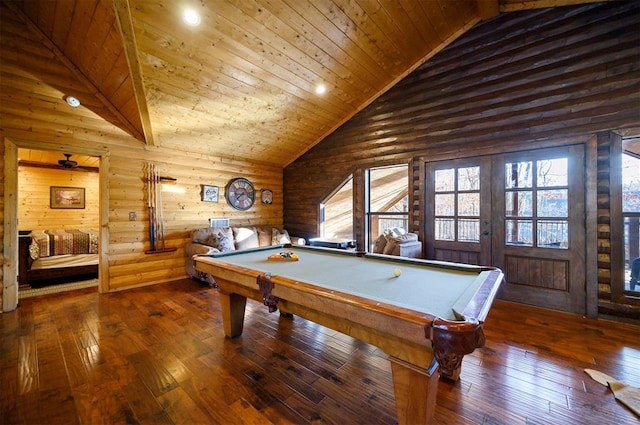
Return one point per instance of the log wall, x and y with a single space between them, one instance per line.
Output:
34 207
522 80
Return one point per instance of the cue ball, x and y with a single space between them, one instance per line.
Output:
397 272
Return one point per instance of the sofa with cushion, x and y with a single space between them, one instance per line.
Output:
210 240
396 242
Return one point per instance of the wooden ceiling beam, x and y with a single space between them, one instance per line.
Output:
77 73
125 23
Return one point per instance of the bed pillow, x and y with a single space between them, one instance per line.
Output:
34 250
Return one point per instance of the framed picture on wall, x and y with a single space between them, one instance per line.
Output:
67 197
210 193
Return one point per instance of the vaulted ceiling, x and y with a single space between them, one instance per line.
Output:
242 83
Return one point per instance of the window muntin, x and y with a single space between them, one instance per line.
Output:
457 204
545 222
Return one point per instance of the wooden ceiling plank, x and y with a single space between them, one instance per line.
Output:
286 46
241 101
310 55
74 70
487 8
409 24
241 55
437 20
205 121
283 66
125 25
421 22
326 51
372 32
219 91
93 47
81 21
44 18
63 14
316 19
109 52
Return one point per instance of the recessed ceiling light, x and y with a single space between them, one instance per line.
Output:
320 89
191 17
72 101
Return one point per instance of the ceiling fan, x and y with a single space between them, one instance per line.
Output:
67 163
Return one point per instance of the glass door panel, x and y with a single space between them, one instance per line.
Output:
456 216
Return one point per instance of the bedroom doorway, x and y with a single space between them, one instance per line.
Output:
10 294
58 221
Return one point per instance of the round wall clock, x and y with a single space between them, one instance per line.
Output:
240 194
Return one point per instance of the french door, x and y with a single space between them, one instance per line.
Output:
458 203
521 212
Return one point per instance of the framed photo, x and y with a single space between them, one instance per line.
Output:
267 196
67 197
210 193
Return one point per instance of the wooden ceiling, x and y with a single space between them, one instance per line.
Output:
242 83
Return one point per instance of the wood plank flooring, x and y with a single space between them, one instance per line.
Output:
158 356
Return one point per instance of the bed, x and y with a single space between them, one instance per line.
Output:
50 257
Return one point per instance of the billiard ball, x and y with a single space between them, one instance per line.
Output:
397 272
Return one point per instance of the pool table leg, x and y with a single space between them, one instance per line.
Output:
415 390
232 306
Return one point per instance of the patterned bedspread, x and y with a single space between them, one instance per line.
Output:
46 243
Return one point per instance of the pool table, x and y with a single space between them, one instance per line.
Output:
425 319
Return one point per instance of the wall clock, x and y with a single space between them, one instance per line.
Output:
240 194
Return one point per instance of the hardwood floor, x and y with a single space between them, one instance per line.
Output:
158 355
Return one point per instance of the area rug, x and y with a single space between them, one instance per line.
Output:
54 289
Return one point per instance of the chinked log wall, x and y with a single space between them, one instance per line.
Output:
522 80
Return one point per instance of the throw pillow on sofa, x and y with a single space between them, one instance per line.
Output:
393 241
264 236
279 236
246 237
378 246
222 239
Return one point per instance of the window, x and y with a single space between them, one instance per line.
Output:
388 206
631 220
457 204
536 203
336 213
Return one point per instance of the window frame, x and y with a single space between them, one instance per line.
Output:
617 282
322 204
369 215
